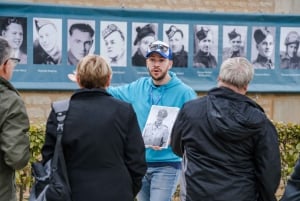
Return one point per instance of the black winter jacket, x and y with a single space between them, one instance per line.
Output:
230 149
103 147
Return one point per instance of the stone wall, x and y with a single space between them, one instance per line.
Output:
240 6
279 107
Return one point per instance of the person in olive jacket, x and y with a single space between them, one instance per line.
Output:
14 124
229 146
102 141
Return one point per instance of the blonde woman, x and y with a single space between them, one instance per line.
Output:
102 143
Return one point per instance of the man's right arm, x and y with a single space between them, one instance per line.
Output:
120 92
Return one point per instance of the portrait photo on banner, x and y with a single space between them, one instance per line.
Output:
289 48
177 36
263 47
14 30
234 41
47 41
206 46
113 42
81 39
143 34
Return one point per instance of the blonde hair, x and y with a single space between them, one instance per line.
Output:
237 71
93 72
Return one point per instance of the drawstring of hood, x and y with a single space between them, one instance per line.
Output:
155 94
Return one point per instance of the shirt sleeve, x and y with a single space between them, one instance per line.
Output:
121 92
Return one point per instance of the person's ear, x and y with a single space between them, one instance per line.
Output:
6 70
5 67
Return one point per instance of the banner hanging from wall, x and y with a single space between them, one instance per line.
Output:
49 40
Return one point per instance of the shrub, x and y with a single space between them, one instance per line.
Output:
23 177
289 143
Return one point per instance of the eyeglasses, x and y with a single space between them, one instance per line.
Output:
15 61
159 47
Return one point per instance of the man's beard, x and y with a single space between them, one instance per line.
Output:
161 77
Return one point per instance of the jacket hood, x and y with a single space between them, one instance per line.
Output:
233 116
157 94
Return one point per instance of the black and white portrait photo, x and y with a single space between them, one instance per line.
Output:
177 36
143 34
47 41
263 47
205 46
14 30
159 125
234 42
113 43
289 48
81 39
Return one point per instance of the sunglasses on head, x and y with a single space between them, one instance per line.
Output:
160 47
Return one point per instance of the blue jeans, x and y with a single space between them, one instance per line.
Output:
159 184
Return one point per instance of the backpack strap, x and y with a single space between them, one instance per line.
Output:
60 108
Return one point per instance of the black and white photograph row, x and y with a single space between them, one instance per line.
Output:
48 40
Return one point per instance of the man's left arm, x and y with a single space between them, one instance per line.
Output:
14 136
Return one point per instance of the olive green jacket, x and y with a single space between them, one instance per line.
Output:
14 141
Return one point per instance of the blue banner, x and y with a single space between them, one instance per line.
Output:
49 40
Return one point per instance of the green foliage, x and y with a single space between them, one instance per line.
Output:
289 139
289 142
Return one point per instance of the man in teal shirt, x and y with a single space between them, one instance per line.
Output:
162 88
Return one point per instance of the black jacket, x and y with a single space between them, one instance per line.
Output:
292 189
103 147
230 149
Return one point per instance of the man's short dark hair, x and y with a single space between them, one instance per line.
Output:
9 20
82 27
